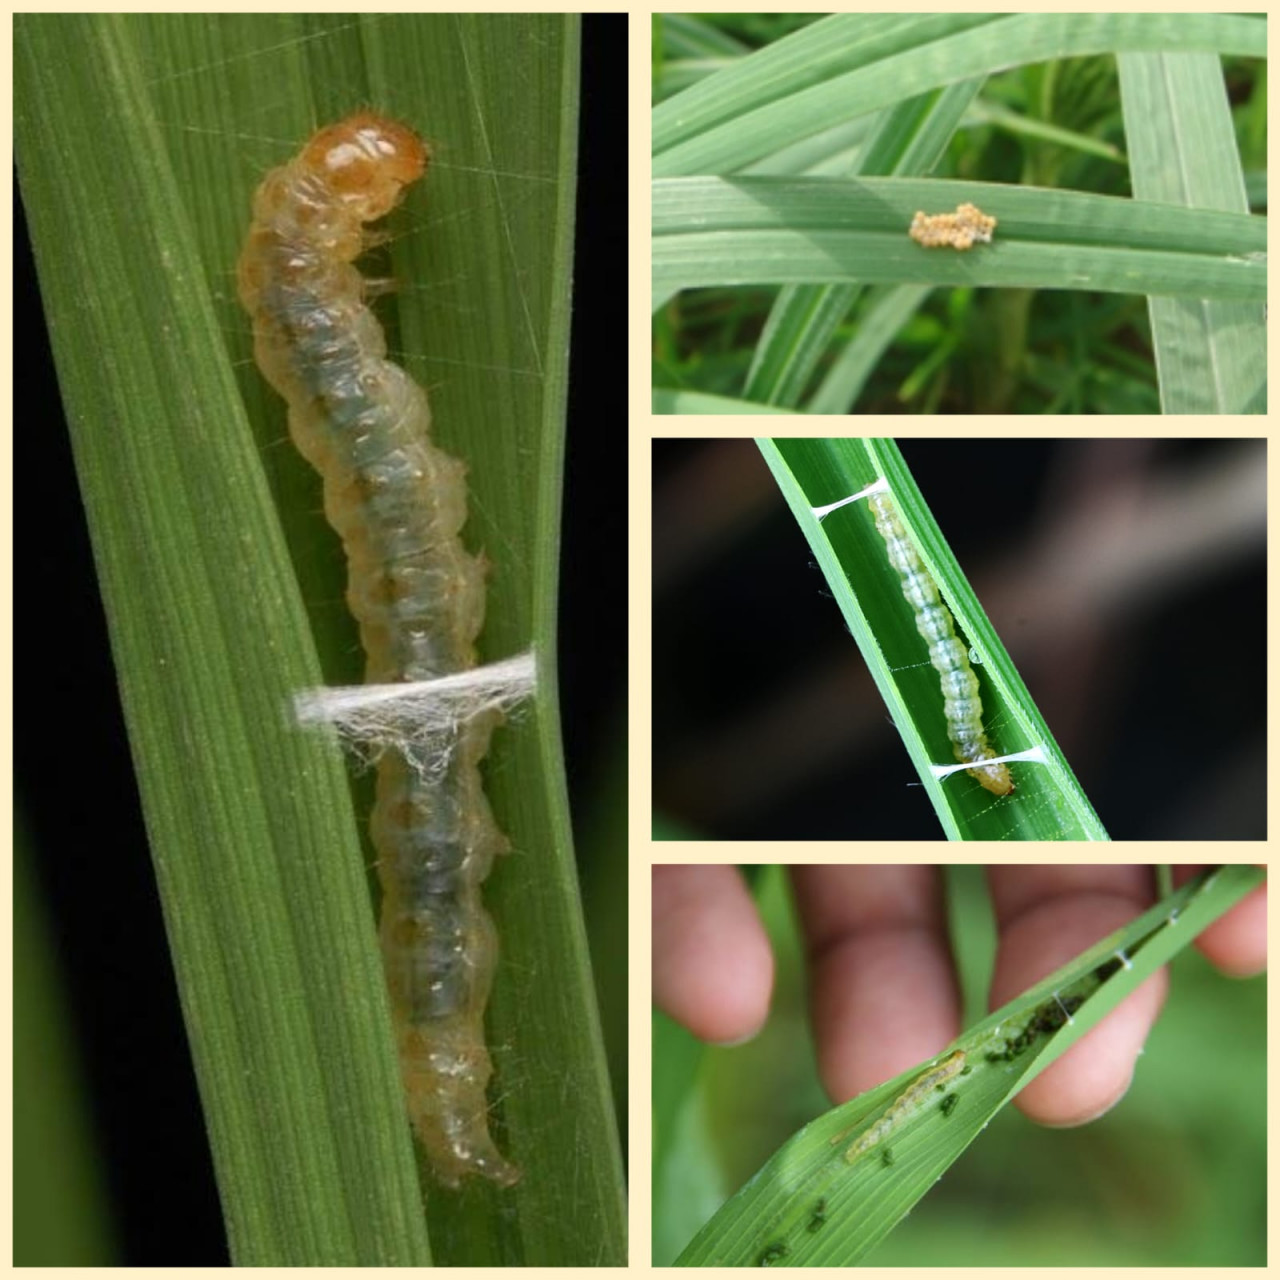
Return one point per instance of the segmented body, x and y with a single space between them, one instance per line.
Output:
398 503
907 1102
962 704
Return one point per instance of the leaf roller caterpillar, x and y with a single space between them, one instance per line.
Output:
962 704
399 503
910 1100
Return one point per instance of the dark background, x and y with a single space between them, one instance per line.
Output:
767 724
68 724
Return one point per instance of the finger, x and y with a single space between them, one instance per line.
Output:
882 989
1236 943
1045 916
712 966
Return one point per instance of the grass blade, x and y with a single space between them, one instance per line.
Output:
850 64
716 231
1211 356
908 140
668 401
803 62
879 323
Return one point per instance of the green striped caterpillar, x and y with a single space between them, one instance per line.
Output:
909 1101
399 503
962 704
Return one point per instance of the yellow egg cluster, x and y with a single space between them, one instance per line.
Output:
956 230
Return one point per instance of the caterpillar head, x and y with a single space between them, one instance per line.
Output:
367 160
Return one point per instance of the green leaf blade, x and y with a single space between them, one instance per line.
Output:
848 66
1211 355
718 232
175 494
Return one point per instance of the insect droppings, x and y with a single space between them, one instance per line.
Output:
773 1254
818 1219
1047 1018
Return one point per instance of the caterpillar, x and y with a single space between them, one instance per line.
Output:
962 704
910 1100
956 230
398 503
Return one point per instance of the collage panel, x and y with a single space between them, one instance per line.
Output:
321 872
1055 630
959 213
836 1045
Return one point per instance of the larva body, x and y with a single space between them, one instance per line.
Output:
398 503
962 704
914 1096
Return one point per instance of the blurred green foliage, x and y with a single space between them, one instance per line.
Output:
59 1210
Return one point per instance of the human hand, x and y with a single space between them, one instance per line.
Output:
883 994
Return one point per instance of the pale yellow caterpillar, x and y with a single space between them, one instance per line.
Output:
956 230
910 1100
398 503
962 704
